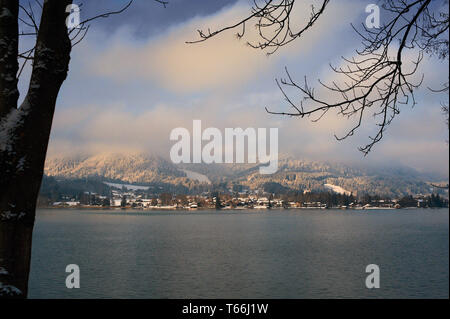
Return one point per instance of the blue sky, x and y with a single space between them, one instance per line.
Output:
148 18
133 79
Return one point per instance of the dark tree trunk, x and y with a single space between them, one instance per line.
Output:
24 136
9 41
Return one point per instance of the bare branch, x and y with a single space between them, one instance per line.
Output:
274 24
376 79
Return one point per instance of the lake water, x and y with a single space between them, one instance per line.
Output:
241 254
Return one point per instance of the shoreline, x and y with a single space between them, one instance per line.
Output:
225 209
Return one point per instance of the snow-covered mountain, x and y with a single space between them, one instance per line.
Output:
130 168
293 174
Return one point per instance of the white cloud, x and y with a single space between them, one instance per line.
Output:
225 84
169 62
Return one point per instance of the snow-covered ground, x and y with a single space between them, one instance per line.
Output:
130 187
197 176
337 189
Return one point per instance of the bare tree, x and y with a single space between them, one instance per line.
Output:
25 130
377 80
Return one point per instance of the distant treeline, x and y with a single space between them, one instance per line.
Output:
329 198
54 189
334 199
434 201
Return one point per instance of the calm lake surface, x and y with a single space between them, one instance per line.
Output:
241 254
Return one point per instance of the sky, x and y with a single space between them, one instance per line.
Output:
133 79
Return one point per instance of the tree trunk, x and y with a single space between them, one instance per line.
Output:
15 249
24 136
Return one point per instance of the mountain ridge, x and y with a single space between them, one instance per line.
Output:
293 174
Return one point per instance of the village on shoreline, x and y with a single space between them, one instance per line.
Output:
132 200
